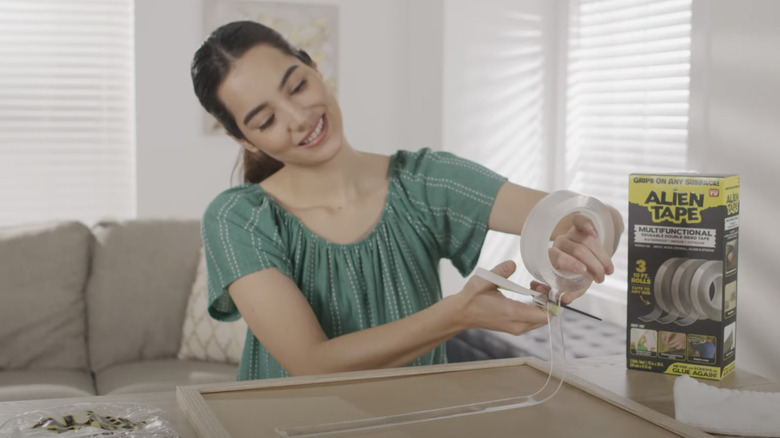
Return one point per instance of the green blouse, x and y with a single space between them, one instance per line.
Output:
437 206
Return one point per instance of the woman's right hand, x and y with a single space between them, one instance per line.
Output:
482 305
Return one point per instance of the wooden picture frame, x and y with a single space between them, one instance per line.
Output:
256 408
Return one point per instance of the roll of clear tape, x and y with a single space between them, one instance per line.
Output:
539 225
534 247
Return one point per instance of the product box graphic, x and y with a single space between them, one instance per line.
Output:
683 235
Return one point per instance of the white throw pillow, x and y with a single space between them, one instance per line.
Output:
205 338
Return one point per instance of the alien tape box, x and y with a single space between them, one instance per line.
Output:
682 273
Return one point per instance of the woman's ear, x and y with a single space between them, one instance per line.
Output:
246 144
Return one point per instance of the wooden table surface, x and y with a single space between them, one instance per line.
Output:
655 390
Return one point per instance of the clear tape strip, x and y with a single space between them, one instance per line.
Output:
534 251
548 390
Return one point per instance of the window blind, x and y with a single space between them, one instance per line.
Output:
496 84
66 110
626 105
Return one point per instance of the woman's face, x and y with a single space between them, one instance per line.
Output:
282 107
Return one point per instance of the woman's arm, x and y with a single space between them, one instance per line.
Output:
575 243
282 320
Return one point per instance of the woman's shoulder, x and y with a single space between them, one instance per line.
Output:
406 162
237 200
443 164
404 157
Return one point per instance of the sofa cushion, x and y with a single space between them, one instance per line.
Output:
142 272
44 269
205 338
35 384
161 375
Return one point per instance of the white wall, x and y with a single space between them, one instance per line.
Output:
499 81
178 168
735 128
382 46
425 68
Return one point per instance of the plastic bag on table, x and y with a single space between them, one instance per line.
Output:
82 420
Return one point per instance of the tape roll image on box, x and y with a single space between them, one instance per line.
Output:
682 290
681 300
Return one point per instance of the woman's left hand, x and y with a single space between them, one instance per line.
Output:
578 250
567 297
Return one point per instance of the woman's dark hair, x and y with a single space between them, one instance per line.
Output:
213 61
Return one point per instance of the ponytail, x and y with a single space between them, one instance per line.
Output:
257 166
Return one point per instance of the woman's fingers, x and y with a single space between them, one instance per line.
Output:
570 296
522 317
566 298
525 317
504 269
540 287
579 251
568 257
489 309
587 236
584 225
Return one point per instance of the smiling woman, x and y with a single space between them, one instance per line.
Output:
281 102
331 254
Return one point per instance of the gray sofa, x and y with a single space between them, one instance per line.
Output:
98 310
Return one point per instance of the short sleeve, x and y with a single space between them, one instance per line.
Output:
240 237
455 197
